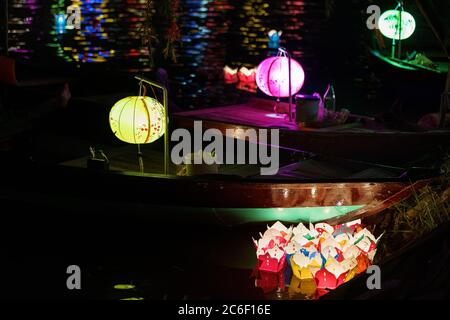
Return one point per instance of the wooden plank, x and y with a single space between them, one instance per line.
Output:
388 147
378 207
222 192
255 113
124 159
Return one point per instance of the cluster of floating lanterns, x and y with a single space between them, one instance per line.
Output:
321 257
245 78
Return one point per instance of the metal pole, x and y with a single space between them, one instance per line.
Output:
166 119
400 33
393 49
166 135
285 53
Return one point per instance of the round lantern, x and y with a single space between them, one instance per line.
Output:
389 24
138 120
272 76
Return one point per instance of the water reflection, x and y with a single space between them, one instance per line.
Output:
214 33
204 26
109 31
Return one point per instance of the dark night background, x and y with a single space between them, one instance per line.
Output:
328 37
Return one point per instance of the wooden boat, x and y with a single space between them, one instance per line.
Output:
399 64
349 141
228 200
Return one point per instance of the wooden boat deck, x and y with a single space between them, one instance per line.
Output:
350 141
239 199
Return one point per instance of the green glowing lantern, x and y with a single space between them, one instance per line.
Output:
142 120
138 120
391 27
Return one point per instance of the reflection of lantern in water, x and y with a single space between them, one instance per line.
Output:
397 24
273 77
94 14
253 30
138 120
60 20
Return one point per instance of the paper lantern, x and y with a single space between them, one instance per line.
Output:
247 79
325 280
138 120
389 24
272 77
274 39
230 75
247 75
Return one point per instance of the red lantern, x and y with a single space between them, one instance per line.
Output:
247 78
325 280
272 76
230 75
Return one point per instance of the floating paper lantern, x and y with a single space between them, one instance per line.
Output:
389 24
247 79
138 120
272 77
321 257
247 75
230 75
274 39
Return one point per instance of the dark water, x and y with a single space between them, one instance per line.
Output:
215 33
328 37
109 32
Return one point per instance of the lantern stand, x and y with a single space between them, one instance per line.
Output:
140 159
166 122
401 9
282 52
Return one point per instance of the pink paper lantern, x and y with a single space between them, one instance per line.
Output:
272 77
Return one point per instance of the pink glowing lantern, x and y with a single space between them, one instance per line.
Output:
272 77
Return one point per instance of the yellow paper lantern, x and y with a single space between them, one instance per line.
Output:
138 120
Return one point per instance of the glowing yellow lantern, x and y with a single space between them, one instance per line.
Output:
138 120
